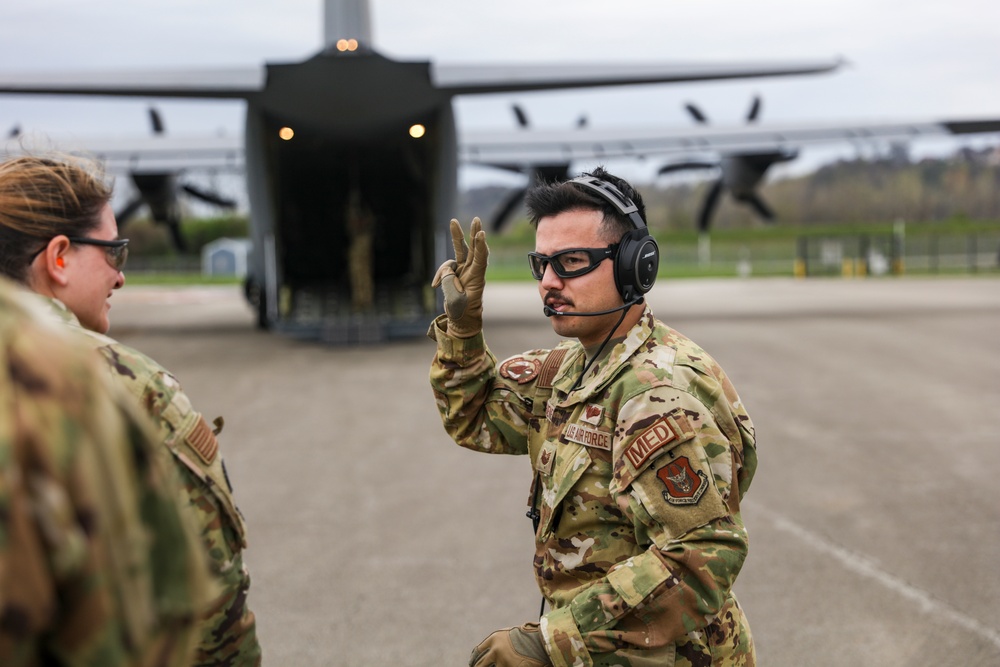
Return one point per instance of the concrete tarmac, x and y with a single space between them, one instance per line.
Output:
374 540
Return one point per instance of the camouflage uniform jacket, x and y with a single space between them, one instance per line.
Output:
638 478
98 565
229 635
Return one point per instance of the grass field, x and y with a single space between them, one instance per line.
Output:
926 248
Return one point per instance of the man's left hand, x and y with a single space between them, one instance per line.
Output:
512 647
462 280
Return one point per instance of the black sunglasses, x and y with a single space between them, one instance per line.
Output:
115 252
571 262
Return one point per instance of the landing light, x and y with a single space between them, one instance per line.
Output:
286 133
347 45
417 131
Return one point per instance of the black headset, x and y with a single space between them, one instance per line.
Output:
638 256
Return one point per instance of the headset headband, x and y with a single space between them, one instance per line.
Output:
611 194
638 257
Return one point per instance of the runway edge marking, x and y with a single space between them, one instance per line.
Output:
867 567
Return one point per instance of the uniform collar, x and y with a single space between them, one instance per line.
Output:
605 369
57 309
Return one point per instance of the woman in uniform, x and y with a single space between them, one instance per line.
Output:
59 238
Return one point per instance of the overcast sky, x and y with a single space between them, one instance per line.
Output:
922 59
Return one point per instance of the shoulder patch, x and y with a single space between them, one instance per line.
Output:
685 485
661 433
520 370
202 440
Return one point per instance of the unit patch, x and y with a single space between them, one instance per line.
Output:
685 486
652 439
588 437
592 414
520 370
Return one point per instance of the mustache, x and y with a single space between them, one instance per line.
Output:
554 295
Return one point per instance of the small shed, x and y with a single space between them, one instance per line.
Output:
225 257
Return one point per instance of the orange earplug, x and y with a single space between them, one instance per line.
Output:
60 263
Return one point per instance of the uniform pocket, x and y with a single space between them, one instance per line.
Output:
571 462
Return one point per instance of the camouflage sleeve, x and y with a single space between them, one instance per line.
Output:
228 629
673 476
97 564
478 411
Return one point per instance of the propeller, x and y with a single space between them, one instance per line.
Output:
687 166
696 113
208 197
160 192
522 117
739 173
708 206
156 121
537 174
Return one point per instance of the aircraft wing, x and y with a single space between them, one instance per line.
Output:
189 83
469 79
456 79
140 154
526 147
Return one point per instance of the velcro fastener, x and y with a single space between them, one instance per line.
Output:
636 578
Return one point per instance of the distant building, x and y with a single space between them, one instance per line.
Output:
225 257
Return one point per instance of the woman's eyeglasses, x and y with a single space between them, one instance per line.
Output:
571 262
115 252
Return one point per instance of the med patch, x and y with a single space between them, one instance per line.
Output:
663 435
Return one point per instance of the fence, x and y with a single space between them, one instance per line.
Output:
804 255
764 255
863 255
170 264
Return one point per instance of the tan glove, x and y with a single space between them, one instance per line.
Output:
512 647
462 280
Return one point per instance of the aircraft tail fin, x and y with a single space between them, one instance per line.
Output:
347 20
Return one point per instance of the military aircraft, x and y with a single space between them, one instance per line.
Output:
351 164
742 154
351 160
161 190
739 172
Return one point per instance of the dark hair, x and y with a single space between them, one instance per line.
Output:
547 199
41 198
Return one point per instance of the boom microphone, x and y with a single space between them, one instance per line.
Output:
552 312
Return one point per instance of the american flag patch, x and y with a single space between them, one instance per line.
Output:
202 440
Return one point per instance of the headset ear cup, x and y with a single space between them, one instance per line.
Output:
636 264
621 274
647 264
